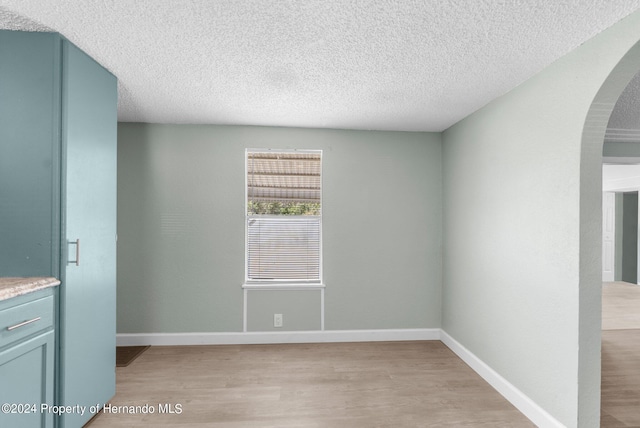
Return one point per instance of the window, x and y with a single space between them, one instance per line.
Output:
284 216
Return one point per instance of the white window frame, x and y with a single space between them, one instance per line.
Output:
281 283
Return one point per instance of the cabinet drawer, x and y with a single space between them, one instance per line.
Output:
25 319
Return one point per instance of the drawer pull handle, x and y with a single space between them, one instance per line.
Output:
22 324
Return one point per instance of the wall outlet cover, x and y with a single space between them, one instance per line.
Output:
277 320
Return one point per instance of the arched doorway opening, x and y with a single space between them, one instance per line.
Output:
591 216
620 355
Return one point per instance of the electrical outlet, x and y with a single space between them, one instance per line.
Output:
277 320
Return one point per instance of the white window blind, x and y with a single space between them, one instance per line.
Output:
284 248
284 223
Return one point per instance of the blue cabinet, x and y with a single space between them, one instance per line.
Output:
27 360
58 124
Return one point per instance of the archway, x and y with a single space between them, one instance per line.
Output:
591 157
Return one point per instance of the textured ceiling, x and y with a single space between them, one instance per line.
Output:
624 123
381 64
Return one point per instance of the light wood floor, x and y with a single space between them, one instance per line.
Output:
620 306
620 403
388 384
399 384
620 379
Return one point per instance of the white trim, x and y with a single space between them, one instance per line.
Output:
242 338
279 287
627 184
289 150
322 309
246 199
522 402
283 286
244 309
246 223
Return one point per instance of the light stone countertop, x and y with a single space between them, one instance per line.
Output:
17 286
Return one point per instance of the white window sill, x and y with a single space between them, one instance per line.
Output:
282 286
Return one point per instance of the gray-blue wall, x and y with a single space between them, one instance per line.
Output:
181 230
630 237
619 210
523 226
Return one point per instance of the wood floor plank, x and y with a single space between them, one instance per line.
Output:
620 306
620 386
383 384
388 384
620 401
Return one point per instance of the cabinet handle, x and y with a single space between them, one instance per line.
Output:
77 260
22 324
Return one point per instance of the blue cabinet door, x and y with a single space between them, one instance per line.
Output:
58 126
29 155
88 289
26 370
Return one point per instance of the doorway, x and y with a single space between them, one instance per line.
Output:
620 236
620 356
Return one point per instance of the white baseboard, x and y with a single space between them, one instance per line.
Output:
516 397
240 338
522 402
